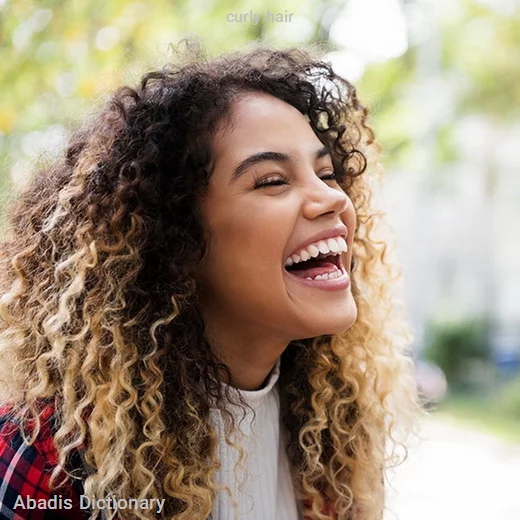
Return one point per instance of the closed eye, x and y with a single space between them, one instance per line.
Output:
280 182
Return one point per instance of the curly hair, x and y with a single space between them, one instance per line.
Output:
99 304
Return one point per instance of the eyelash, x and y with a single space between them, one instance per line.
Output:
280 182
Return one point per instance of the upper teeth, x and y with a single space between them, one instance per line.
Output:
331 245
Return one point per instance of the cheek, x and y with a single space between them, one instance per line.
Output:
238 247
350 220
246 236
252 229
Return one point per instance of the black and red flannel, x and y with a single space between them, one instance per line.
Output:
25 471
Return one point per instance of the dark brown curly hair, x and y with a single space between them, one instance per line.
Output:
99 304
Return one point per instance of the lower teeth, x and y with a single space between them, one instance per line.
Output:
327 276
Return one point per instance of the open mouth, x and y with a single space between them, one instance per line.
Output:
322 264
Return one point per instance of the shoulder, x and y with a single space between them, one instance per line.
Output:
25 470
14 446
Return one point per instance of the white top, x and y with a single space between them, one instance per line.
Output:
267 491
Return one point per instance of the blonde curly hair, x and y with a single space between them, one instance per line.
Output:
99 308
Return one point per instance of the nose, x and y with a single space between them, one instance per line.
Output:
322 198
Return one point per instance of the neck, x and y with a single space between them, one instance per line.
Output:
250 352
248 375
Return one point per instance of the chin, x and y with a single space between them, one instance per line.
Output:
331 327
343 323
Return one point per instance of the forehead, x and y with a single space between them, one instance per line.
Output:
260 122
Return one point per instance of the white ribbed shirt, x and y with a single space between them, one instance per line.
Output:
261 485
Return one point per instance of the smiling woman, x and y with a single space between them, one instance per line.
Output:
195 313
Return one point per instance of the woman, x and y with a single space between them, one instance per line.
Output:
195 322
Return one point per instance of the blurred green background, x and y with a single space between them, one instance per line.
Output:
442 81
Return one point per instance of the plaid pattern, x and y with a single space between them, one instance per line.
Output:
25 473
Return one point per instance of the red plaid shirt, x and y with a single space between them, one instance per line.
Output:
25 470
25 473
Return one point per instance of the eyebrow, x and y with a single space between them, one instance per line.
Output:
270 156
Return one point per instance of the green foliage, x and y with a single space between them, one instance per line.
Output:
507 401
383 90
69 51
482 45
58 60
445 151
478 67
461 350
479 413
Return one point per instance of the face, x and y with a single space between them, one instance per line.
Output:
245 290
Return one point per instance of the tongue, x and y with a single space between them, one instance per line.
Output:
324 267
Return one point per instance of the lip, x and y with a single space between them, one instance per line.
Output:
336 231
